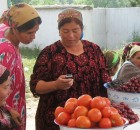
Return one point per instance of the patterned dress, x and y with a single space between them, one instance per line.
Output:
11 58
6 122
88 70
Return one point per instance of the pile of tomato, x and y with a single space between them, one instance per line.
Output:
88 112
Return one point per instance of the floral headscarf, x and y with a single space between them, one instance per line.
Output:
134 50
70 13
18 15
127 48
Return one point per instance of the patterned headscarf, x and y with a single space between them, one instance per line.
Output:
127 48
134 50
70 13
18 15
2 70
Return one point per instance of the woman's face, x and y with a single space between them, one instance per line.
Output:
28 36
70 33
4 91
136 59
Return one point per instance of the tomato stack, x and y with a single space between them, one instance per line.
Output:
88 112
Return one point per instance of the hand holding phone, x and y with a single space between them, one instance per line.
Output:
68 76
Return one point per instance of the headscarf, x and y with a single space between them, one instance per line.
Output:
18 15
70 13
134 50
112 58
126 50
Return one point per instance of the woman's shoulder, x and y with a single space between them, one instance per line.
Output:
52 47
6 46
89 43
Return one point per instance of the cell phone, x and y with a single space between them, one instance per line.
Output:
68 76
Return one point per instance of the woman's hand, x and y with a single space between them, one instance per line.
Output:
63 83
16 117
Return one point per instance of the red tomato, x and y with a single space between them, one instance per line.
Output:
98 102
58 110
72 100
116 120
84 100
72 123
80 111
83 122
105 123
94 114
70 107
63 118
106 112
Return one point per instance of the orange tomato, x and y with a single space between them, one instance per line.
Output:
114 110
105 123
94 114
58 110
106 112
116 120
83 122
72 100
108 102
84 100
72 123
80 111
63 118
98 102
70 107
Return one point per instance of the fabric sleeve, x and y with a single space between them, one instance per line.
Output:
41 70
7 56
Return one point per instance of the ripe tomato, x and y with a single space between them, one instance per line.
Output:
105 123
72 123
98 102
108 102
63 118
114 110
83 122
94 114
70 107
116 120
58 110
84 100
106 112
72 100
80 111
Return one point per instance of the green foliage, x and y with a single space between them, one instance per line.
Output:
135 3
16 1
95 3
136 37
29 57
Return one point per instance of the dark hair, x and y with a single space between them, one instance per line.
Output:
29 25
69 20
4 76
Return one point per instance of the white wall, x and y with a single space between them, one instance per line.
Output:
108 27
3 6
